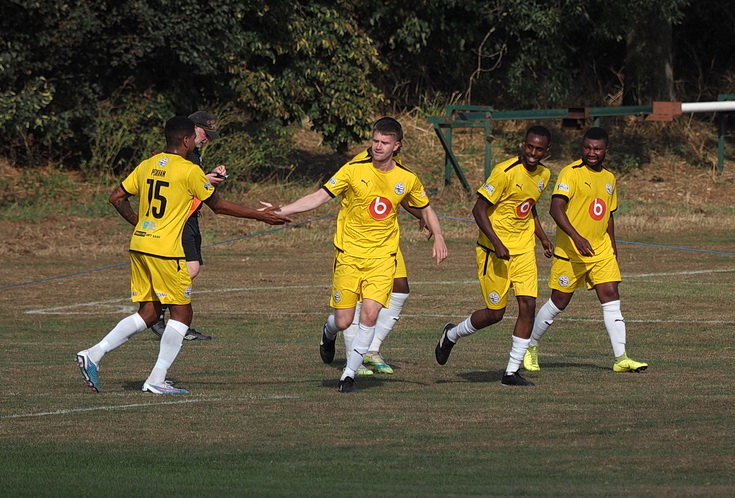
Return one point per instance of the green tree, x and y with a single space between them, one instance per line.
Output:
278 60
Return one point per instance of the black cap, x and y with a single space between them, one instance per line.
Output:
206 121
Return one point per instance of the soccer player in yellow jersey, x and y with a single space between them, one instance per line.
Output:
582 205
366 239
389 315
166 184
505 213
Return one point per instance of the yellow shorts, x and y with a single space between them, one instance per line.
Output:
153 278
401 271
568 276
355 279
497 276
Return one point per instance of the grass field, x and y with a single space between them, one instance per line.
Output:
264 416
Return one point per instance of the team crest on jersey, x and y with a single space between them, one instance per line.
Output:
337 296
562 187
489 188
540 185
609 188
162 162
493 297
563 280
399 188
332 181
187 292
208 186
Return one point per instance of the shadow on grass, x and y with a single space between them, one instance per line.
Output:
568 364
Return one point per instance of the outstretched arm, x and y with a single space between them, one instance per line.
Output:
228 208
306 203
120 199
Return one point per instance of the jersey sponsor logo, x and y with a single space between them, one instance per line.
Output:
489 188
208 186
161 294
158 172
337 296
524 208
562 187
493 297
540 185
609 188
598 208
332 181
380 208
563 280
149 225
399 188
162 162
139 233
133 293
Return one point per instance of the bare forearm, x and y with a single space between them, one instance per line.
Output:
119 199
228 208
429 217
306 203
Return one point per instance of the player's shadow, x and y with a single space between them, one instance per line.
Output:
570 364
482 377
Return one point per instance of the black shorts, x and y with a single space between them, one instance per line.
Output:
192 240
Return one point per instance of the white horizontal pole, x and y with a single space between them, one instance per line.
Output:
708 106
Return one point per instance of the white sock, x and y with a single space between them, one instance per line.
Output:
462 330
171 341
331 328
124 330
350 332
387 319
517 352
359 347
544 319
615 325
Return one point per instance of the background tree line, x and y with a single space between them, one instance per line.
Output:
89 83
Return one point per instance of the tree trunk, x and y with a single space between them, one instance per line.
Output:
649 73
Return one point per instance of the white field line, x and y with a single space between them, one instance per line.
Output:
139 405
124 306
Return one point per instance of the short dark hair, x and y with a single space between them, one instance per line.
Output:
177 128
389 126
596 133
539 130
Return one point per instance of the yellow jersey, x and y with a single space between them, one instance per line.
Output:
166 184
367 223
513 191
592 196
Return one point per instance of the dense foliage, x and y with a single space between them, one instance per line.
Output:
89 83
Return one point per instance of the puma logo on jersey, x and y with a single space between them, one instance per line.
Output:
365 182
519 186
588 184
